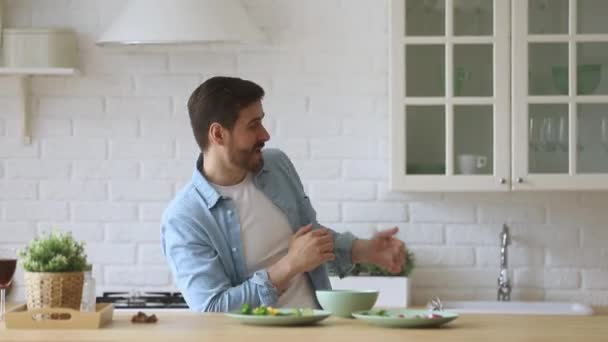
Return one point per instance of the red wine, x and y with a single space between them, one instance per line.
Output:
7 270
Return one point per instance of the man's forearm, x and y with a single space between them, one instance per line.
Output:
281 273
360 251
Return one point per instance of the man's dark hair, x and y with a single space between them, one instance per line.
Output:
219 99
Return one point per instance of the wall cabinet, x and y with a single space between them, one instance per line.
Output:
498 95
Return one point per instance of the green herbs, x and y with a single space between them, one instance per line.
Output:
54 252
261 310
246 309
376 271
264 310
380 312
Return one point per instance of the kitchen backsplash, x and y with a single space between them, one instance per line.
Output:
113 145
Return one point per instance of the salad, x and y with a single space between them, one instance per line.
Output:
263 310
384 313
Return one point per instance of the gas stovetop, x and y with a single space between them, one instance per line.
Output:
144 300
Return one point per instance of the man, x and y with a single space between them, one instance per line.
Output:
243 230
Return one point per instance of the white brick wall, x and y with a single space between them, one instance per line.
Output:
13 148
135 106
82 231
36 210
306 127
374 212
73 190
113 144
518 256
105 128
138 276
73 148
64 106
547 279
318 169
341 190
18 190
150 254
135 231
447 256
442 212
111 253
44 128
138 149
496 213
205 63
141 191
103 169
17 232
151 212
418 234
595 279
96 212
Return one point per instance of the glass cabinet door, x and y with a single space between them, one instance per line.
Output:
449 95
560 94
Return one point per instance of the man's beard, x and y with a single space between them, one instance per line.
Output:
248 159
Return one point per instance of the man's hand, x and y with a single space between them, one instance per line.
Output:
383 250
308 249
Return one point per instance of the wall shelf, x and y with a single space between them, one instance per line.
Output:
22 79
37 71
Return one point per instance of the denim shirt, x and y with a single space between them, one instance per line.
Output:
201 239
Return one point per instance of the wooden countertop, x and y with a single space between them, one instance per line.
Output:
186 326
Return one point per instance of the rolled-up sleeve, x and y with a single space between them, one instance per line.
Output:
199 273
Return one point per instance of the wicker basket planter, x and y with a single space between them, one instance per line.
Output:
53 289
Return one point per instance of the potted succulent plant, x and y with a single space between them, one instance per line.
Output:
394 288
54 266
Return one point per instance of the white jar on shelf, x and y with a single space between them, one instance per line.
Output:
39 48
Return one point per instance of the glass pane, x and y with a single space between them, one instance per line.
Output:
473 70
425 129
548 72
473 140
548 16
593 138
473 17
591 58
424 70
425 17
590 16
548 138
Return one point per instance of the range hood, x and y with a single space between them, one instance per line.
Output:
181 22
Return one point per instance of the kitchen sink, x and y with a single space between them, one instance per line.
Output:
518 308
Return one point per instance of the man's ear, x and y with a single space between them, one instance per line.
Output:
217 134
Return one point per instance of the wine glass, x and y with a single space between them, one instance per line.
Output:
8 264
605 133
533 134
563 134
547 135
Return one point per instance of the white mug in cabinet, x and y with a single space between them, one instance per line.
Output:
470 164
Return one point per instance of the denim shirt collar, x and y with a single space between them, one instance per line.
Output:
209 193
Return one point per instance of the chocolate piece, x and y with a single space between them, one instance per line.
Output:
141 317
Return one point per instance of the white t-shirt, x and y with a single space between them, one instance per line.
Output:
265 234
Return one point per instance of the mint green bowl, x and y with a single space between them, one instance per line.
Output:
343 303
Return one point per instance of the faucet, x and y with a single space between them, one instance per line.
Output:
504 285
